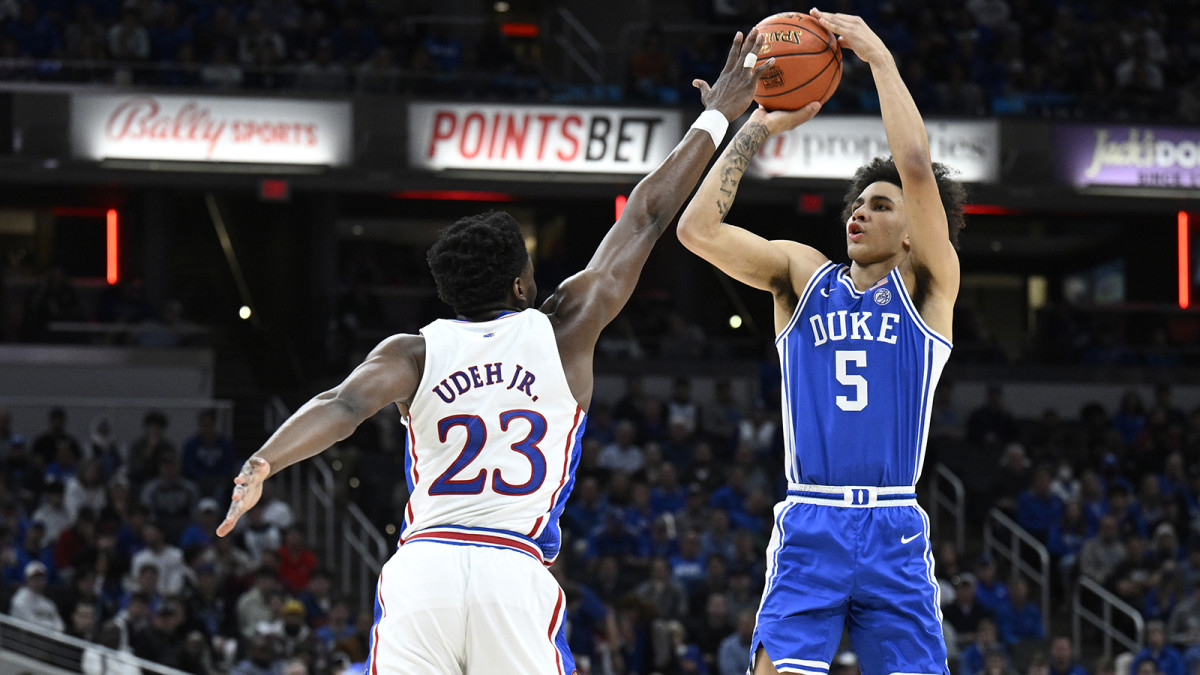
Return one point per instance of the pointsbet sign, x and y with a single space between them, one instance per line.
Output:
540 138
211 129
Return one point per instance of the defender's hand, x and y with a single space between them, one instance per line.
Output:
247 490
782 120
854 33
734 89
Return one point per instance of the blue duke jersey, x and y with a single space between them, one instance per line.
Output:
859 372
493 436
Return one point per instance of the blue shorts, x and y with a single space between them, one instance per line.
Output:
832 564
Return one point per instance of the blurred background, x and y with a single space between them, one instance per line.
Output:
211 211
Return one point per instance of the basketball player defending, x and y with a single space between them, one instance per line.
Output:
861 349
495 405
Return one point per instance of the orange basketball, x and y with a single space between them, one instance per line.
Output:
808 62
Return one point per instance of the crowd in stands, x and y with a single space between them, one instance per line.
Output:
983 57
111 540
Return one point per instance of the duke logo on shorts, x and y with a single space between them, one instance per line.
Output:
850 546
493 441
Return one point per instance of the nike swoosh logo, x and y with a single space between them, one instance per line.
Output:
905 540
824 293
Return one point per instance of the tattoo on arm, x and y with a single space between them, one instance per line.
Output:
745 144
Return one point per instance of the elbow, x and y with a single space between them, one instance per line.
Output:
914 159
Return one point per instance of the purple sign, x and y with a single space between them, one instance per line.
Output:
1136 156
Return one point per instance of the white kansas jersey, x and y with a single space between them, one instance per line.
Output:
493 436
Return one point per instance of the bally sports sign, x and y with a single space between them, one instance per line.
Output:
211 129
540 138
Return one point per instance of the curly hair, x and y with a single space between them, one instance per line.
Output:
953 193
475 260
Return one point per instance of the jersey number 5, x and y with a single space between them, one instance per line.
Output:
857 357
447 484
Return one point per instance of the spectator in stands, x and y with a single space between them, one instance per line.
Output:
169 498
260 658
53 513
623 454
1062 658
199 534
989 590
36 546
209 456
986 639
206 603
167 559
1166 658
1183 626
254 606
296 561
76 541
134 618
104 447
1019 620
339 626
322 73
47 445
260 536
1066 539
83 622
1013 478
1165 592
220 72
148 451
1039 508
664 592
129 40
993 422
30 602
86 489
965 613
731 654
80 589
162 641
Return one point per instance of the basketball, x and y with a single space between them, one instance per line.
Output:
808 62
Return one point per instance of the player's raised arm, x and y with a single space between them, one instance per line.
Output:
594 297
741 254
390 373
908 141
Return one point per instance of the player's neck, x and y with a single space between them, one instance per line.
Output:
489 313
864 276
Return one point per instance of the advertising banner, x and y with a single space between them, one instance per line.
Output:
835 146
571 139
1129 155
211 129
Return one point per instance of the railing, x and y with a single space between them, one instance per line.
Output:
1103 621
1013 548
954 503
347 537
58 650
573 33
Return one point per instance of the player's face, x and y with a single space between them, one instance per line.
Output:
876 229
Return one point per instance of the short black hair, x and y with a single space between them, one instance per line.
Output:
475 260
953 193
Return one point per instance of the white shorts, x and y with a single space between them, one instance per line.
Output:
443 608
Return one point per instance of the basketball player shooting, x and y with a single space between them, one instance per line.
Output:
861 348
495 404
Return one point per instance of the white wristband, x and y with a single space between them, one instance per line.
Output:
714 122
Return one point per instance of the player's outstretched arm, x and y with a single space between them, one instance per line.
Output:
390 373
741 254
908 141
592 298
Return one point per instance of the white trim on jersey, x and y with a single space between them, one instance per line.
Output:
819 665
906 297
809 287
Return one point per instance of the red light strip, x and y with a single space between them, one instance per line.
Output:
454 195
1185 281
111 270
988 210
620 202
523 30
